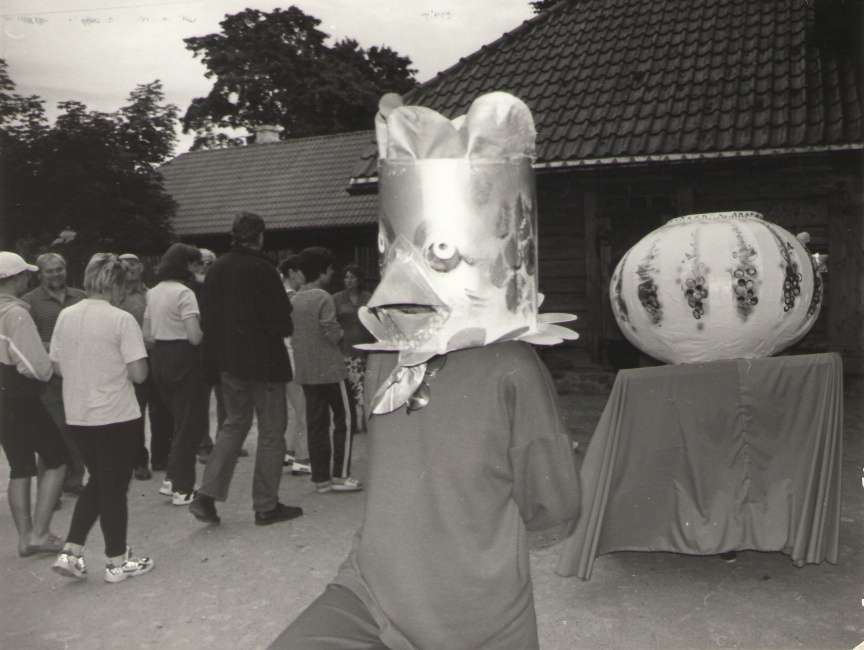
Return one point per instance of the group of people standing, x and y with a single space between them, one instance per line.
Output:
90 364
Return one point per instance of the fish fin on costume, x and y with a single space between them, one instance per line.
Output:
514 334
564 333
397 388
548 334
540 339
375 347
553 317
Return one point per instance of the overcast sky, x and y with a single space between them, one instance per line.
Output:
97 51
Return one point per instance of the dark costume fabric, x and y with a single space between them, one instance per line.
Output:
441 560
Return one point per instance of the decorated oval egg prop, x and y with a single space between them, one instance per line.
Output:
725 285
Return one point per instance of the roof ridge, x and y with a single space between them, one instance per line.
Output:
244 147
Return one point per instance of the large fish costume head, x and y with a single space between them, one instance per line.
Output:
457 237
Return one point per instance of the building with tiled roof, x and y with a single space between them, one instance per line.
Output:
650 110
298 186
618 82
645 111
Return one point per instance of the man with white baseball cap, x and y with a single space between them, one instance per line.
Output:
46 301
13 264
26 427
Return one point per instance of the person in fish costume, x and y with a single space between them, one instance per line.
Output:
466 448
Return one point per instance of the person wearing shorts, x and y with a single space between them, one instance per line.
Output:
26 427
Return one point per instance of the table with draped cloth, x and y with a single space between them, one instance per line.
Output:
706 458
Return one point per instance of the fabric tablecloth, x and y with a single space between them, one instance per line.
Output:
714 457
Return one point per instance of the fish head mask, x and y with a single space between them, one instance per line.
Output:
457 234
457 237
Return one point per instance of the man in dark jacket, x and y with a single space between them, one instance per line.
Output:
245 315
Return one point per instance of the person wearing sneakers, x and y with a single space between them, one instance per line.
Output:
322 373
297 456
98 350
245 317
152 406
172 322
26 426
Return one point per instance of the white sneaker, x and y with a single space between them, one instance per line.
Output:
71 566
346 485
181 499
130 568
166 489
300 468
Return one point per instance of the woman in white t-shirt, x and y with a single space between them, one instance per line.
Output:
99 351
172 320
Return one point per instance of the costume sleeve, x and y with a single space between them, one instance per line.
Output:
327 319
545 483
26 350
131 341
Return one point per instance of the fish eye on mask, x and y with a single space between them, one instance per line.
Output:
443 257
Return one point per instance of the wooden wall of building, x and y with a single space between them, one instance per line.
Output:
587 219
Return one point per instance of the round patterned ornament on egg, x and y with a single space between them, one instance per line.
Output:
725 285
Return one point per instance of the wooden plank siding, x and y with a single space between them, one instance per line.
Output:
817 195
561 251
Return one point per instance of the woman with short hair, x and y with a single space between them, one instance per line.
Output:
172 320
98 350
348 302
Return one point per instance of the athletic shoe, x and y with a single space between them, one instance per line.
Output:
71 566
181 499
166 489
301 467
729 557
203 508
131 567
280 513
346 485
324 487
288 461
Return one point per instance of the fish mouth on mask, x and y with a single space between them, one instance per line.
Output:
408 323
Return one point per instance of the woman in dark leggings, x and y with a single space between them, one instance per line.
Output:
99 351
172 321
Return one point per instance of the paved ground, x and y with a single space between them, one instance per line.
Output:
238 585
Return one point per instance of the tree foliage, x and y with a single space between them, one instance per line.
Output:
277 69
542 5
93 174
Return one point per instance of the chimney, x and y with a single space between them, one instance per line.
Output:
266 133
